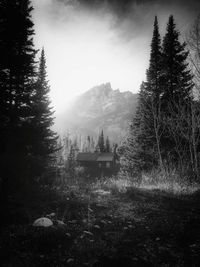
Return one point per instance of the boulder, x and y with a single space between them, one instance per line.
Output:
42 222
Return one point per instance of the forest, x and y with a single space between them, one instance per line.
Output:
146 212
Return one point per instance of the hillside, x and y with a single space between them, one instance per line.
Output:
100 108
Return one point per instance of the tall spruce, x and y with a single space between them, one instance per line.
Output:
17 72
142 147
44 138
177 76
101 143
107 146
152 104
177 86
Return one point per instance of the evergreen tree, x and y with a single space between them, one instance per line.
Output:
162 100
107 148
43 119
177 84
154 71
101 143
152 98
17 72
150 121
44 140
177 78
141 150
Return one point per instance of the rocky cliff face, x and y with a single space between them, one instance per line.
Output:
100 108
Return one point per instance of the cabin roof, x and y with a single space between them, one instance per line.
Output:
92 157
105 157
87 156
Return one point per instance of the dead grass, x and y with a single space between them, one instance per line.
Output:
114 184
169 180
138 227
111 222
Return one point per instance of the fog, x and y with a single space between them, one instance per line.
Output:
92 42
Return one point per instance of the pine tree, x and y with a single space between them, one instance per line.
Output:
107 148
17 68
44 139
155 65
17 72
101 143
152 102
163 100
177 85
141 150
177 77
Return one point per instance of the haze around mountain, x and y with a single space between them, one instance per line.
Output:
100 108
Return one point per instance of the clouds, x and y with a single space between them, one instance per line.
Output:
136 11
89 42
130 18
126 8
122 14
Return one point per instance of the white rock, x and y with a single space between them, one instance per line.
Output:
43 222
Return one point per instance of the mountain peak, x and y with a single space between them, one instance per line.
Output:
99 108
102 89
103 86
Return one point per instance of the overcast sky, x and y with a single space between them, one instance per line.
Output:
89 42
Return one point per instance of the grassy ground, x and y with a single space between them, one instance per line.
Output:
134 227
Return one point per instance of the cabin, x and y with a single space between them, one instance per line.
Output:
97 163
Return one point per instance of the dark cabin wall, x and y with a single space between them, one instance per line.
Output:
92 168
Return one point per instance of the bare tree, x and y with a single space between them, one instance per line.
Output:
193 40
154 117
183 125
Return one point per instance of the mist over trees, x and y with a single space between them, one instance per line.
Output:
165 130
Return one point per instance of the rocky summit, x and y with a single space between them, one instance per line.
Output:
100 108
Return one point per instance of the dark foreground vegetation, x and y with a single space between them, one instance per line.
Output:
101 227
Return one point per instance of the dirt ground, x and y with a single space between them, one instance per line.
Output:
100 228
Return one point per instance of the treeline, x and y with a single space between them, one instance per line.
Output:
70 145
166 128
85 143
27 142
